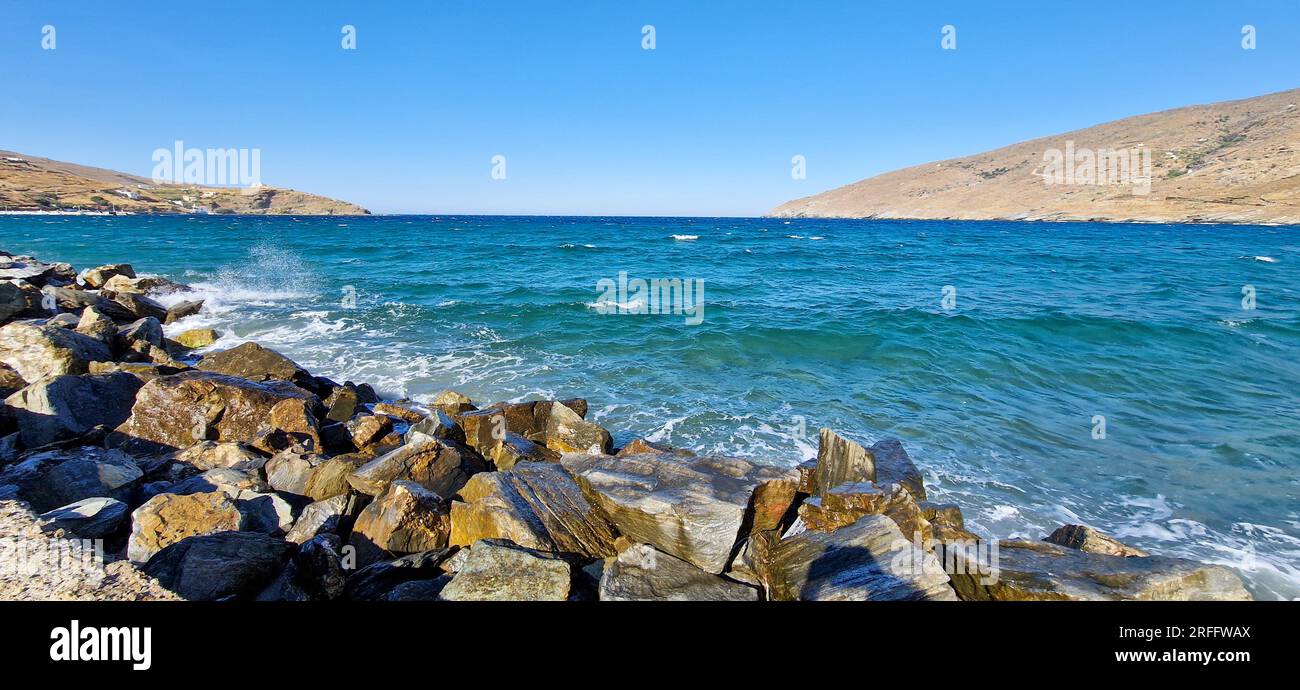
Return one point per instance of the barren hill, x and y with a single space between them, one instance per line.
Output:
31 183
1232 162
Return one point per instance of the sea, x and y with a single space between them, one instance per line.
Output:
1142 379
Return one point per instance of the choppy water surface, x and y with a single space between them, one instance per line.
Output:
835 323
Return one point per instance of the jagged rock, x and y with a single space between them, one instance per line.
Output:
869 560
256 363
406 411
305 474
142 285
515 449
228 479
840 461
846 503
640 445
333 515
95 324
139 306
947 522
419 590
219 566
690 507
438 424
10 381
434 464
28 268
78 300
1039 571
197 338
147 330
144 372
176 411
497 570
893 465
62 407
535 505
375 581
315 572
486 428
407 518
54 478
567 432
342 403
96 277
64 320
39 351
18 298
180 310
1085 538
641 573
166 519
89 518
773 500
368 430
452 399
807 476
210 455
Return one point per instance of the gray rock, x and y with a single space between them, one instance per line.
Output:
36 351
90 518
180 310
893 465
219 566
64 320
438 424
375 581
568 432
211 455
515 449
63 407
147 330
315 572
497 570
1085 538
96 277
95 324
139 306
686 506
841 461
641 573
334 515
869 560
55 478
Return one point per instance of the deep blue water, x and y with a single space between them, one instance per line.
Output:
837 323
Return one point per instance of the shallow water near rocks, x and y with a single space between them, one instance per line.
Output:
811 323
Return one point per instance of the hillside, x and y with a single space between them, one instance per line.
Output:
30 183
1234 162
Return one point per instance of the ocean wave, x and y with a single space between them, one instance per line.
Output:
686 238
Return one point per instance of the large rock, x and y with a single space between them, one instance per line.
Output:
98 325
869 560
437 424
640 573
18 298
142 285
893 465
1039 571
515 449
168 518
841 461
535 505
139 334
62 407
441 467
486 428
310 475
89 518
96 277
1085 538
375 581
690 507
219 566
39 351
55 478
210 455
10 381
180 310
846 503
196 338
567 432
407 518
139 306
176 411
315 572
256 363
497 570
334 515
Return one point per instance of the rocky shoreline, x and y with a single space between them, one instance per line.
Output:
237 474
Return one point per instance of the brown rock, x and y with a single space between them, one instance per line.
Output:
840 461
407 518
168 518
438 466
567 432
256 363
640 445
515 449
39 351
407 412
180 310
1085 538
96 277
196 338
895 466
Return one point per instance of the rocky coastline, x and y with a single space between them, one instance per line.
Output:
237 474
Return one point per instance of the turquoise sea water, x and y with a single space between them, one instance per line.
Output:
810 323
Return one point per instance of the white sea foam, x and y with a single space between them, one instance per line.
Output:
686 238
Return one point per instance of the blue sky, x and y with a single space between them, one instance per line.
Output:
589 122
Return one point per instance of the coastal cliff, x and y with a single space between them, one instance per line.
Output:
1229 162
237 474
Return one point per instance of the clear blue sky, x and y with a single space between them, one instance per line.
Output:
589 122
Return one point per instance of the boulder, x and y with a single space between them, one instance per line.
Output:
485 428
641 445
407 518
315 572
451 399
641 573
30 269
515 449
168 518
691 507
142 285
375 581
1085 538
419 590
78 300
256 363
98 325
1038 571
567 432
342 403
196 338
176 411
228 479
96 277
334 515
63 407
10 381
846 503
39 351
840 461
144 372
211 455
947 522
773 501
438 424
54 478
893 465
535 505
367 430
19 298
64 320
139 306
404 410
219 566
305 474
436 465
869 560
180 310
89 518
497 570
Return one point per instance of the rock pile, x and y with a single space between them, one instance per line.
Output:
239 474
